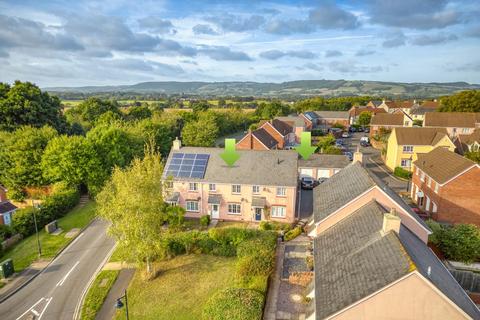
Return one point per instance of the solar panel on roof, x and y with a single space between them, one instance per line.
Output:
188 165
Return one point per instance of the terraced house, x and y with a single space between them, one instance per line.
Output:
261 185
456 123
7 209
371 260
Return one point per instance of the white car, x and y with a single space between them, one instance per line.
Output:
345 135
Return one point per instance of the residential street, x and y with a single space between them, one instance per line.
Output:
56 292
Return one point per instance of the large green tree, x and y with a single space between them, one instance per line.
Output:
89 111
202 132
364 118
132 201
465 101
269 110
25 104
20 156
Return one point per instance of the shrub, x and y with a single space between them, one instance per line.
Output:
234 304
5 232
22 221
437 232
205 220
402 173
16 193
265 225
462 243
260 264
175 216
274 225
292 234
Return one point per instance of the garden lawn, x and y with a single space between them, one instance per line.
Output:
25 252
97 293
182 288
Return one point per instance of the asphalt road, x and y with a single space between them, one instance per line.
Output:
57 291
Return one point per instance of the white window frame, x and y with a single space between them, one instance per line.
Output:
281 192
236 186
434 207
192 186
436 187
278 212
189 208
407 149
422 176
407 161
255 189
429 182
212 187
416 171
237 208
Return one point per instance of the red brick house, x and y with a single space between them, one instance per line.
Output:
272 134
387 121
447 186
355 112
468 142
6 207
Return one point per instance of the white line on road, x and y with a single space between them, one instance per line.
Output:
31 308
46 306
60 283
35 312
78 237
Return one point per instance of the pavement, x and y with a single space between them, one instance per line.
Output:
107 311
57 292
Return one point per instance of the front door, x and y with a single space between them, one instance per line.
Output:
258 214
214 213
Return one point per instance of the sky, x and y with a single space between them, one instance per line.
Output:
114 42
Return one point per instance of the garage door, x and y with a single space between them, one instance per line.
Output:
306 173
323 173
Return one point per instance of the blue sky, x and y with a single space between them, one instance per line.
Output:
111 42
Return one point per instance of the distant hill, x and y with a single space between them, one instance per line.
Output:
302 88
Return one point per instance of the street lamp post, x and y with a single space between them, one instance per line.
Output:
119 303
36 229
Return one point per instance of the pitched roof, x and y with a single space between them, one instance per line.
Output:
294 121
387 119
442 165
424 259
317 160
355 111
470 138
6 206
450 119
430 104
392 105
332 114
310 115
340 189
421 110
265 138
417 136
281 126
265 168
376 103
354 259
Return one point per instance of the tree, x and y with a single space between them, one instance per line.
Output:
132 201
201 133
88 112
199 106
326 141
139 112
364 118
473 155
465 101
25 104
269 110
73 160
20 156
462 243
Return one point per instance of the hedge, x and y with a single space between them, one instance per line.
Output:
292 234
402 173
234 304
274 225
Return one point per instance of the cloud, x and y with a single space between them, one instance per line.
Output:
157 25
395 39
473 66
414 14
330 16
232 23
221 53
204 29
277 54
18 32
333 53
352 67
144 66
291 26
474 32
364 52
4 54
427 40
312 66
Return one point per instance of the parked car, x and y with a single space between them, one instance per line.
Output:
367 130
352 129
349 155
322 180
365 143
360 129
339 141
307 183
345 135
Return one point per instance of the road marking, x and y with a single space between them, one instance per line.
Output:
31 308
60 283
78 237
44 309
35 312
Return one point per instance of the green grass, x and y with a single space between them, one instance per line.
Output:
182 288
25 252
96 294
228 224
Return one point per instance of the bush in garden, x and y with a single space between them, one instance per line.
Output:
260 264
402 173
175 216
5 232
265 225
205 220
437 232
234 304
274 225
462 243
292 234
22 221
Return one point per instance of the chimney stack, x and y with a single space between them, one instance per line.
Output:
358 156
391 222
177 144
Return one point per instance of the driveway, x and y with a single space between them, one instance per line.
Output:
305 204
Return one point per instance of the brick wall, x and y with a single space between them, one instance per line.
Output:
274 133
249 142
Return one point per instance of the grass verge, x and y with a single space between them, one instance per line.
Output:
97 293
182 288
25 252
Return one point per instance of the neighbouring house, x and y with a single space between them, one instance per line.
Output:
298 124
7 209
321 165
355 112
371 259
258 139
386 121
468 142
262 185
374 103
417 112
456 123
272 134
447 186
405 144
325 120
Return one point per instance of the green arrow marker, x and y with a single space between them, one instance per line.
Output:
230 156
305 149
